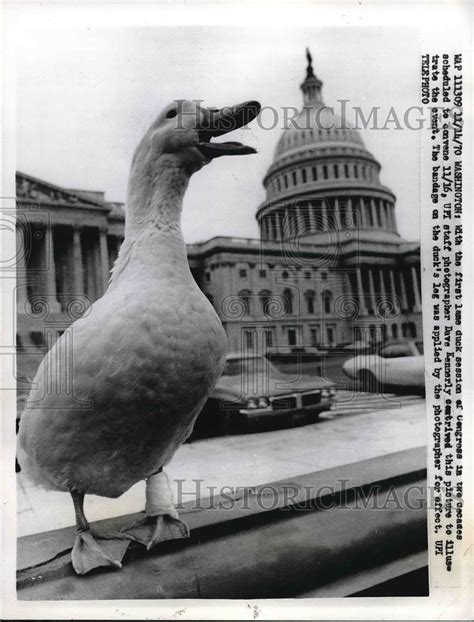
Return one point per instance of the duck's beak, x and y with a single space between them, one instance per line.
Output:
219 122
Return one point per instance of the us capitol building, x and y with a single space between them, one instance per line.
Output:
329 267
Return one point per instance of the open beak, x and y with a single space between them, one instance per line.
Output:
219 122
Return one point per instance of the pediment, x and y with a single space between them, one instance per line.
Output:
36 190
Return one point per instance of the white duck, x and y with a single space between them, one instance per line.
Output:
145 358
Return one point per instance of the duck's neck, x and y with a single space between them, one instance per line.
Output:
155 198
153 234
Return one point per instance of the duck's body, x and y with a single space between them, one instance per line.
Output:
143 362
119 392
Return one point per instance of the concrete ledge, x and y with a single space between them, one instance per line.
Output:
246 551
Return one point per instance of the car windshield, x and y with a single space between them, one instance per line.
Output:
396 350
248 365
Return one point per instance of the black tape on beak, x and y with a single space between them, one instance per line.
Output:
218 122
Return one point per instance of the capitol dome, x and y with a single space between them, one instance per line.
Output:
323 178
317 127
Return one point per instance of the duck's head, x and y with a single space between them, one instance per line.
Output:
182 135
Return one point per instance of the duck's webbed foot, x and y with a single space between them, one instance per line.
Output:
93 550
161 522
154 529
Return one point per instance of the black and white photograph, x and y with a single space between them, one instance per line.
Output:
226 379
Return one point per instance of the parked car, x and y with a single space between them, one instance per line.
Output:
394 364
253 391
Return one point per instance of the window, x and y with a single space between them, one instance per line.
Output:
346 170
268 338
303 175
243 273
307 275
291 337
244 296
288 297
284 274
336 171
325 172
278 184
329 335
295 180
356 172
285 178
314 172
262 274
314 337
395 331
309 297
37 337
327 301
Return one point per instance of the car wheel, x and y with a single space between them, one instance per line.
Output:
368 381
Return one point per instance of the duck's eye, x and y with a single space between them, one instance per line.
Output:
171 113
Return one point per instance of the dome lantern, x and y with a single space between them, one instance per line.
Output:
311 87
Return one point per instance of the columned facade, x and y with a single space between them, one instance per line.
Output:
63 255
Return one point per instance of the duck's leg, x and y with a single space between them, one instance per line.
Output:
94 550
161 521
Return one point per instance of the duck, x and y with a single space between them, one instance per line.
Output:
120 390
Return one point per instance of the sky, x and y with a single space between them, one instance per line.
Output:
86 96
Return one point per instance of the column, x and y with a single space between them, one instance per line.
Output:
383 214
373 297
350 217
383 293
393 218
284 224
270 227
362 214
403 290
50 277
360 291
416 290
324 219
294 222
312 217
78 276
388 215
393 289
273 232
104 259
23 306
299 220
337 215
278 220
374 212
